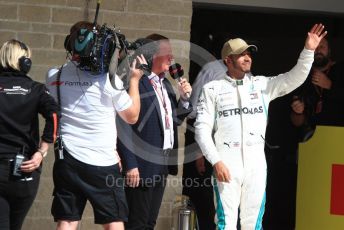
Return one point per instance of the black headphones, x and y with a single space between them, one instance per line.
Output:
80 42
67 44
25 63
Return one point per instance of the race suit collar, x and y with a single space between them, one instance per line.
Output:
245 80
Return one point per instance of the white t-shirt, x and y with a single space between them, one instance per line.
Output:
88 109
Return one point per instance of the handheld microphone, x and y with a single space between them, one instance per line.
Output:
176 72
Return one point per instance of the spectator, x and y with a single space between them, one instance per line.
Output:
320 99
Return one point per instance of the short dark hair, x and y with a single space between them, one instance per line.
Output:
156 37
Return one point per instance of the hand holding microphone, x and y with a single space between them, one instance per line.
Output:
184 87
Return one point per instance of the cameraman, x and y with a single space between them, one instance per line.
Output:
89 167
21 152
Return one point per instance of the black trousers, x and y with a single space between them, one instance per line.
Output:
16 197
144 204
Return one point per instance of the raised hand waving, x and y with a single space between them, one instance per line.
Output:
314 36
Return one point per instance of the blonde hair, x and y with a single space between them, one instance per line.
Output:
10 53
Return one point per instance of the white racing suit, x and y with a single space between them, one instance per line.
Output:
230 127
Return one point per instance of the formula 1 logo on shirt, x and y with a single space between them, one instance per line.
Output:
57 83
71 83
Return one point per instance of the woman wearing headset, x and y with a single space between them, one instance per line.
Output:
21 149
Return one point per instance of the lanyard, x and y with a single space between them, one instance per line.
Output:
161 95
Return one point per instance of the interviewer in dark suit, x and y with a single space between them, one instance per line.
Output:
146 147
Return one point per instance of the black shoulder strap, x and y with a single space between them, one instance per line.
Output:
58 78
58 94
58 147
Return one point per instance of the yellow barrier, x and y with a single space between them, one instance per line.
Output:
321 180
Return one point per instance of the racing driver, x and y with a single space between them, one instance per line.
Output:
230 129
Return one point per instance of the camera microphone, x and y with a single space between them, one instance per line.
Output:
96 16
176 72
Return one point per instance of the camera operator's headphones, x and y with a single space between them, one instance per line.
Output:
81 42
24 62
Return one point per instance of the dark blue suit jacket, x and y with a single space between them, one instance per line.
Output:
140 145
